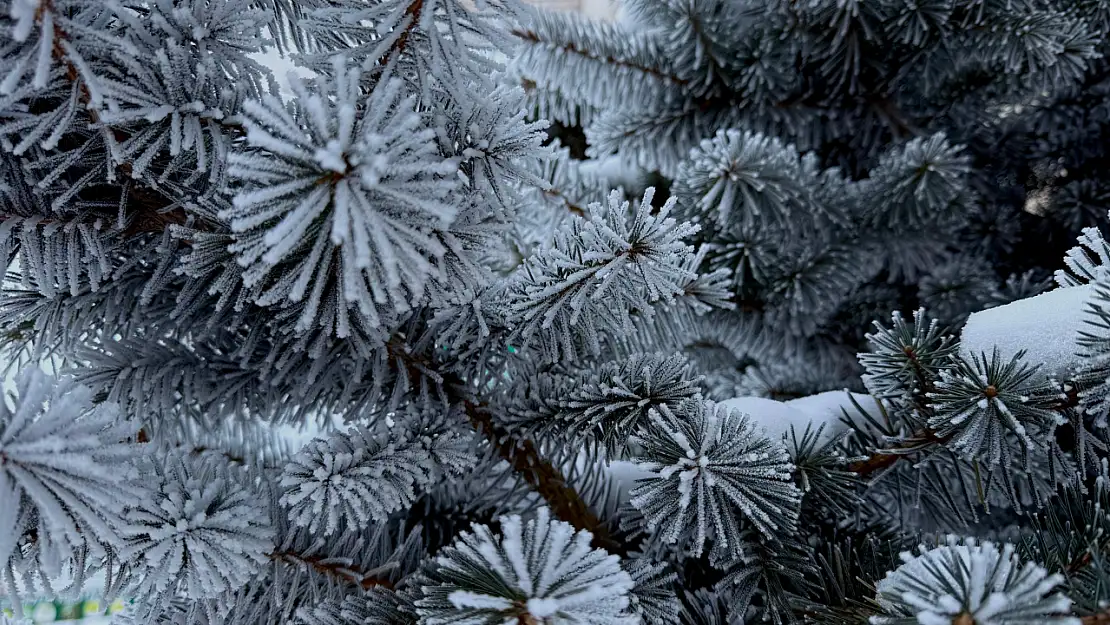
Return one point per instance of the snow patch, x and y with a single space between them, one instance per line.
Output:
624 475
613 170
621 475
1045 325
776 417
829 408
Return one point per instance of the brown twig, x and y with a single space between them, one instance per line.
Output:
891 114
570 205
413 11
572 48
331 569
521 454
564 502
1077 564
232 458
884 458
1101 618
524 617
1069 400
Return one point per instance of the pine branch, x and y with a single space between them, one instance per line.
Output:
533 37
488 577
331 568
1101 618
154 221
570 204
230 457
152 217
412 11
58 51
1085 558
896 120
565 503
886 458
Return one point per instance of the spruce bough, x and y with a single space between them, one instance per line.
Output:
379 342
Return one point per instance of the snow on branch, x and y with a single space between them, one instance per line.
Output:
1046 327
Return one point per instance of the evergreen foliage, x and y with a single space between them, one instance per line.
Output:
711 470
65 471
540 570
976 404
443 326
983 580
196 532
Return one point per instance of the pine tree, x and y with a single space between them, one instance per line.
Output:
846 161
787 316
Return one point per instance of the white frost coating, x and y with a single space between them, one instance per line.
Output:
713 466
542 608
200 529
1046 326
62 456
983 580
543 563
363 475
462 599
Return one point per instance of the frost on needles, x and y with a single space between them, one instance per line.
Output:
492 315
